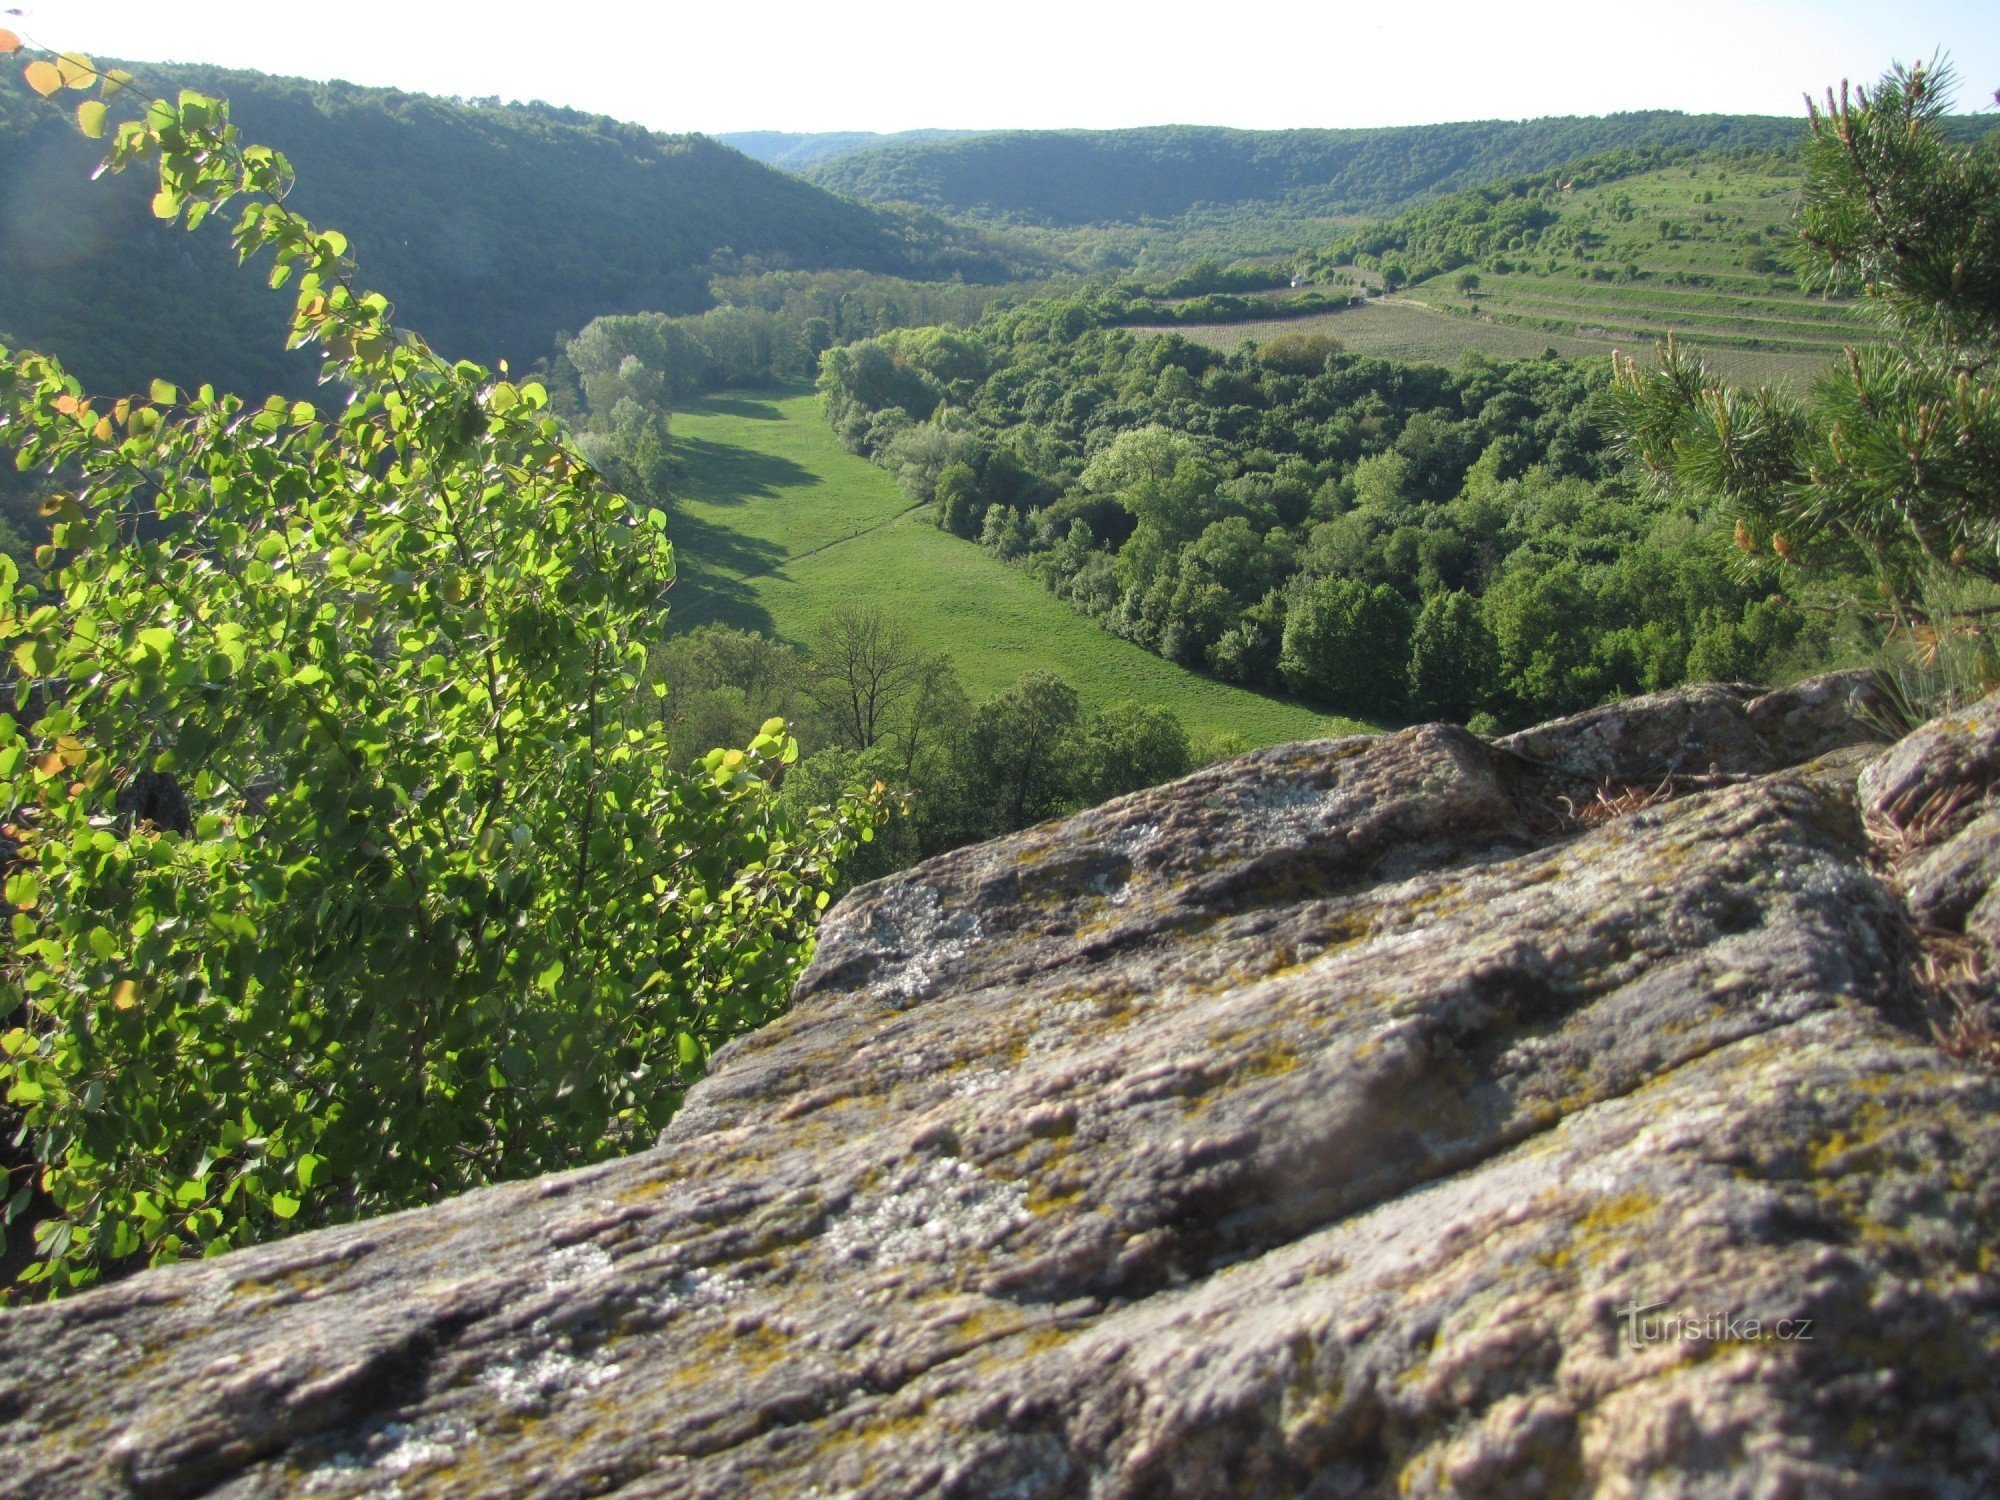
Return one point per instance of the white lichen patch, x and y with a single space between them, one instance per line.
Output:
701 1287
390 1450
941 1210
575 1263
1137 839
912 920
979 1081
529 1383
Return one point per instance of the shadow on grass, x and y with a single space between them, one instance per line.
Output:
762 407
724 474
717 549
703 597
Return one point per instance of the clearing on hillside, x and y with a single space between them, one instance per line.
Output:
774 523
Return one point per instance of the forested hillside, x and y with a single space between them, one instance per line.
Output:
492 227
1381 539
1071 177
795 150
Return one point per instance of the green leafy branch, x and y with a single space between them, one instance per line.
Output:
346 865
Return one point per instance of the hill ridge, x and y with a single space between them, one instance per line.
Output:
534 219
1078 176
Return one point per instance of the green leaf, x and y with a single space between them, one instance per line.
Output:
164 393
90 118
284 1205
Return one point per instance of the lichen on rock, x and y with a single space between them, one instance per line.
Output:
1347 1119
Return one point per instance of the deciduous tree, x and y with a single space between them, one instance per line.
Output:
441 910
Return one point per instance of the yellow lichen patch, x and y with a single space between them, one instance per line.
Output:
1855 1148
1439 899
1035 853
1053 1187
1048 1336
1606 1223
1270 1061
288 1284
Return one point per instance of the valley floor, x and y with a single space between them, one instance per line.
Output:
774 524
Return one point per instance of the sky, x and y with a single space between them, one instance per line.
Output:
893 64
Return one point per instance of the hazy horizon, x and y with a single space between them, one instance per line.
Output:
896 66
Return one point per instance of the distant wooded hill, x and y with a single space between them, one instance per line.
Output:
492 227
1074 177
795 150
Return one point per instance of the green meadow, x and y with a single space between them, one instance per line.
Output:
775 523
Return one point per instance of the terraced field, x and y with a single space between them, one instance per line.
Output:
1414 329
1696 249
774 523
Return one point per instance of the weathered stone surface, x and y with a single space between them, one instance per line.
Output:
1297 1129
1720 729
1931 781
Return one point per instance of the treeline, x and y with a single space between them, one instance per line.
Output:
1126 309
1073 177
793 150
766 329
493 227
1384 540
869 707
619 379
1469 226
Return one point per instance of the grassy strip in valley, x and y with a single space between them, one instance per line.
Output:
775 523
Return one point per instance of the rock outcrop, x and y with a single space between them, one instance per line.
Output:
1392 1115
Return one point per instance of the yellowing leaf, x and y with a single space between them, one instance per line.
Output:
164 393
76 70
8 41
90 118
115 82
43 77
124 995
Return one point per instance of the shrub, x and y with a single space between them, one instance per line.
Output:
350 868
